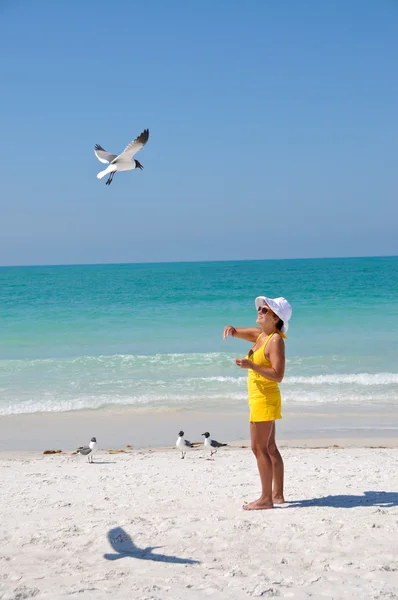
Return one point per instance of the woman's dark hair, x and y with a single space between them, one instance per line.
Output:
279 324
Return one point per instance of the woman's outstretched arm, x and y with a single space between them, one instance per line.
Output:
250 334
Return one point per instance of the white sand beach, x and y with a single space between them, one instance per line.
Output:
146 524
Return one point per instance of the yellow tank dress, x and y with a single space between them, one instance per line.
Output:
264 395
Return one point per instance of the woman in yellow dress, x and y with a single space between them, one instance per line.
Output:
266 368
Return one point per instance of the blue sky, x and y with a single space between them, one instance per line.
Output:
273 129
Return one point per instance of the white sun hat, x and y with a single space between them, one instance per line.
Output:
279 306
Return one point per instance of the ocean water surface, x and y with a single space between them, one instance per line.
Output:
149 336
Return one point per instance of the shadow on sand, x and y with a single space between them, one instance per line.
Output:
381 499
124 547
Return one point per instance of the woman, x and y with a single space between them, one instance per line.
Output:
266 368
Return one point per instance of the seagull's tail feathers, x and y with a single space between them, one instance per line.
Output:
106 171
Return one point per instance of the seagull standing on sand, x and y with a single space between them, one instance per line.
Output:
123 161
89 450
182 444
212 445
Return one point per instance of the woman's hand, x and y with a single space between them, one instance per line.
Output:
229 330
244 363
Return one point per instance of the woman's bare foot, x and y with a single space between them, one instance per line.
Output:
258 505
278 500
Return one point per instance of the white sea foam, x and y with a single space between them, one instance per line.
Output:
346 378
332 379
228 399
196 381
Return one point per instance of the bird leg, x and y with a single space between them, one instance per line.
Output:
110 178
183 454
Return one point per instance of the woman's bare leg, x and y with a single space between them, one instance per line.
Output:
260 433
277 468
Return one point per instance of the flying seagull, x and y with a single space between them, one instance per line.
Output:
123 161
212 445
89 450
182 444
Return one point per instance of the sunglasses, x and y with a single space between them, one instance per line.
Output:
263 310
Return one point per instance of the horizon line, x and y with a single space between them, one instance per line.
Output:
177 262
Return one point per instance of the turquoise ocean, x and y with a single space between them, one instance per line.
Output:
149 336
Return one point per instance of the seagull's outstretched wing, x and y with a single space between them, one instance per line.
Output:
134 146
85 450
103 155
